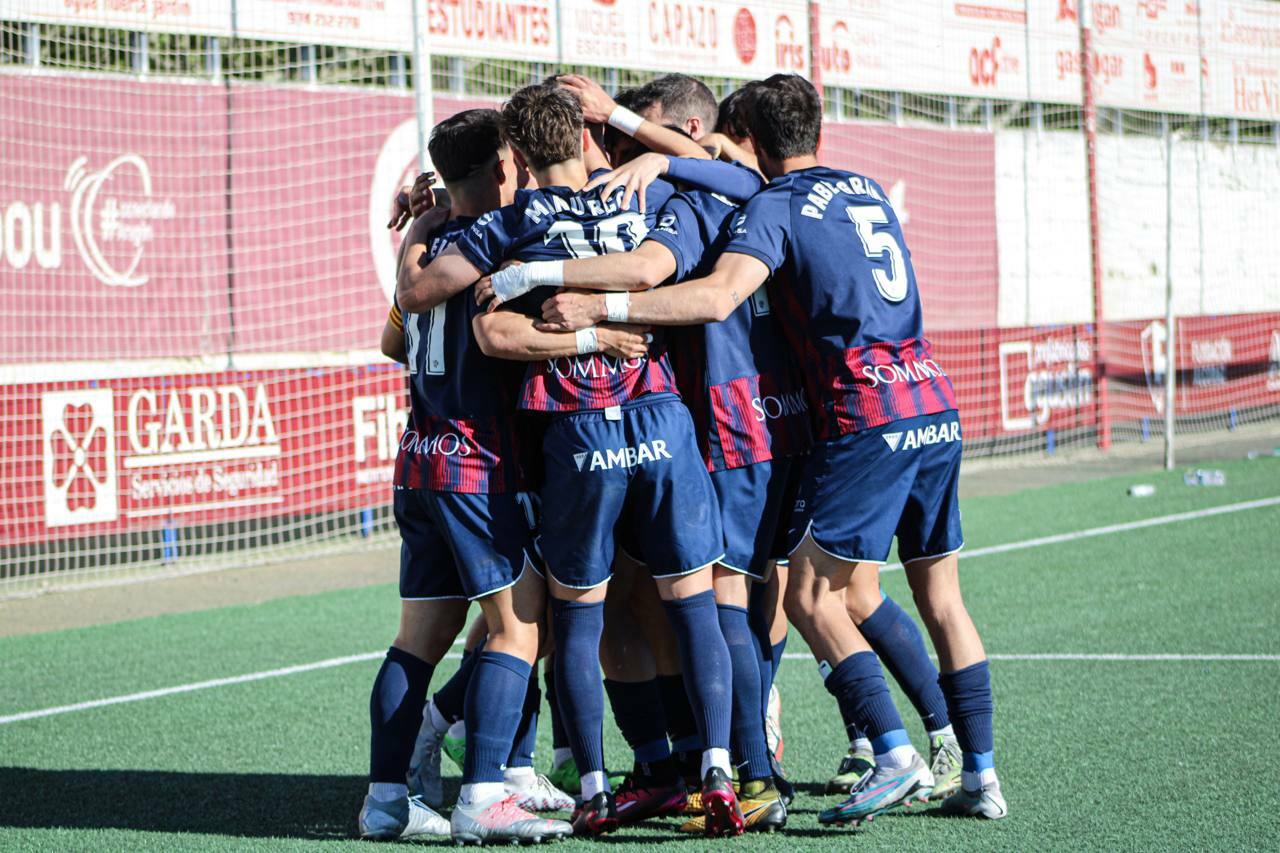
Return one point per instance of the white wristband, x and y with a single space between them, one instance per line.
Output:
625 120
587 342
542 273
617 306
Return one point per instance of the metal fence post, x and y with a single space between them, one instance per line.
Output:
1089 125
1171 347
422 97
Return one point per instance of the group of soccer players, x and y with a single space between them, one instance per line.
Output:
669 393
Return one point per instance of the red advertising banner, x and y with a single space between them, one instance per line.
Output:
90 458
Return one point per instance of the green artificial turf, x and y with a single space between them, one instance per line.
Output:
1106 755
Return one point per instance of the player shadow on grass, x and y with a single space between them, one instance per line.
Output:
257 805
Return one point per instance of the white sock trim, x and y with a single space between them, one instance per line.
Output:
593 783
386 792
481 792
896 758
437 721
715 757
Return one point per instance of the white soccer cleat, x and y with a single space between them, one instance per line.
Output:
405 818
539 795
986 802
424 767
503 820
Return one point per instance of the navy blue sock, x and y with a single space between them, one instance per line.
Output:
682 729
747 732
898 643
968 693
859 686
778 648
527 732
759 622
704 659
494 701
559 737
452 695
578 626
637 709
395 714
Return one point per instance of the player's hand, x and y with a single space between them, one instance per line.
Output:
421 197
572 310
635 176
597 105
412 202
484 287
623 341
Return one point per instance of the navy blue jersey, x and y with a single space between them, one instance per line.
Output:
461 434
557 223
737 376
847 298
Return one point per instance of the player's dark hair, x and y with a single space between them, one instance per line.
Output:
785 116
544 122
735 109
464 143
680 96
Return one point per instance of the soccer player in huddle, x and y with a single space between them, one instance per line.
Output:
887 452
466 522
744 391
619 451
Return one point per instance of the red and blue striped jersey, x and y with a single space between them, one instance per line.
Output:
461 433
737 377
846 296
557 223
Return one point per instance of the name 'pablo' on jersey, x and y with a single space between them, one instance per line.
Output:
558 223
847 296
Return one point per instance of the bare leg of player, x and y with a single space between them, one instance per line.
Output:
815 601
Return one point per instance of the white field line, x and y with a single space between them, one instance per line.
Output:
975 552
1108 529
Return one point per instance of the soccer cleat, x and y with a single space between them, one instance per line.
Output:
944 764
541 796
502 820
780 781
643 795
854 767
692 803
986 802
720 809
773 723
565 777
597 816
455 748
424 767
763 809
880 790
407 818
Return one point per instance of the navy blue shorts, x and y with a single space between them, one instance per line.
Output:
900 479
455 545
641 473
751 500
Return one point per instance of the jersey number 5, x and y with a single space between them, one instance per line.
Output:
883 246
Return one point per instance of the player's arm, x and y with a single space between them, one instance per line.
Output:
513 336
734 182
421 286
700 300
649 265
393 336
599 108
